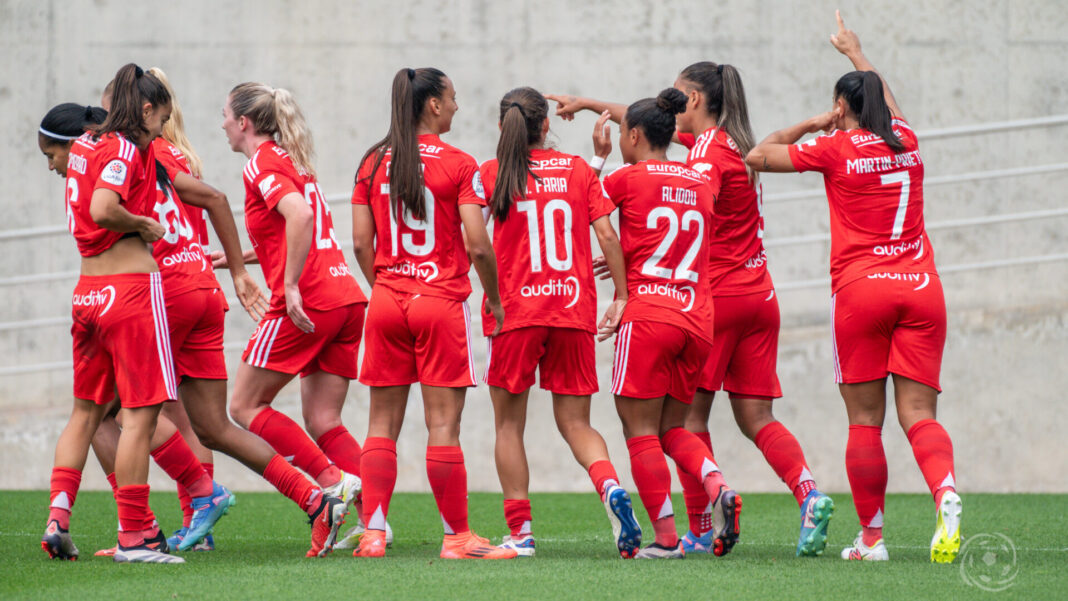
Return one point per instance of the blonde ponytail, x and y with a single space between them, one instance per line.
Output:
274 112
174 129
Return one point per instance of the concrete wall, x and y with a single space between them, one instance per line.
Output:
949 62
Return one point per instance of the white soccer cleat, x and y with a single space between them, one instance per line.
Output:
862 552
523 546
143 554
946 541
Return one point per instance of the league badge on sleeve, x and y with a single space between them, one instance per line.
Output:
114 173
476 183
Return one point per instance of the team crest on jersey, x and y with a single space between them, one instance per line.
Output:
114 173
476 183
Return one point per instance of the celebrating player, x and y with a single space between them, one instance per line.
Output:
541 201
120 323
413 191
665 220
888 311
315 319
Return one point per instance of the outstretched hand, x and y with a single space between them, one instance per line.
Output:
566 105
846 40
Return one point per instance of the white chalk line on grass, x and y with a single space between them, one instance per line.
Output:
570 540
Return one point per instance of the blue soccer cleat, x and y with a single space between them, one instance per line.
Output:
816 514
625 529
691 543
206 512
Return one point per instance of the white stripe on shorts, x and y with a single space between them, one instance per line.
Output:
470 353
489 358
163 334
261 351
619 369
834 344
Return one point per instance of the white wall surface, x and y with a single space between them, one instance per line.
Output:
949 62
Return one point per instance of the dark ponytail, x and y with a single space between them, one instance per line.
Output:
68 121
656 116
523 111
725 98
131 88
411 89
863 92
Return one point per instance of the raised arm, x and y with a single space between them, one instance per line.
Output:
567 105
773 152
847 42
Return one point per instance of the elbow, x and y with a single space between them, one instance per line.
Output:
481 253
101 215
360 246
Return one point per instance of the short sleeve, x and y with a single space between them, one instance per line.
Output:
119 168
600 205
470 189
361 192
488 173
904 131
273 185
817 154
615 186
687 140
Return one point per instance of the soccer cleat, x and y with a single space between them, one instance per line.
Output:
206 512
346 489
469 545
625 529
351 538
862 552
175 539
816 514
57 542
658 551
143 554
158 541
946 541
372 543
325 522
691 543
523 546
106 552
726 519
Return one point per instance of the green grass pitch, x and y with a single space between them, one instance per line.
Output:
260 548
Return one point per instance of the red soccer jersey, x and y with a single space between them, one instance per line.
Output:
738 264
114 163
174 160
326 282
179 254
876 202
543 249
423 257
665 220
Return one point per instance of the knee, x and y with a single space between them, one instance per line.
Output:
319 424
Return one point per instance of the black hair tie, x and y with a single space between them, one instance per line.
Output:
88 112
411 74
518 106
719 69
138 72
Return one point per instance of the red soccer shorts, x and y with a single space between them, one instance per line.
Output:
197 318
564 357
745 346
417 338
280 346
889 323
120 340
655 359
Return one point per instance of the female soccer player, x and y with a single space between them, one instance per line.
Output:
715 128
888 312
120 324
541 200
170 449
413 191
315 319
665 221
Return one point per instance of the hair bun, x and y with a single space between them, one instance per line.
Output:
671 101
